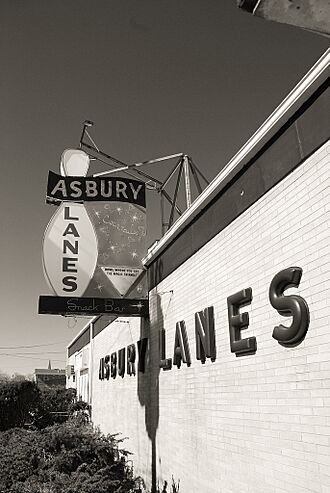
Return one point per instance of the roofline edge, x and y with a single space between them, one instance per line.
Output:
291 103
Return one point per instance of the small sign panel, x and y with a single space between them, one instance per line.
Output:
122 277
62 305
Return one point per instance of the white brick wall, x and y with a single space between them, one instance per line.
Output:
258 423
80 381
116 407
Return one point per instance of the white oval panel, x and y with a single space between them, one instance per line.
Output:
70 250
74 162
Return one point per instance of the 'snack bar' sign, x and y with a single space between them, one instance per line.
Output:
93 306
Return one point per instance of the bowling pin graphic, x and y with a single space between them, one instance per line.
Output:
70 246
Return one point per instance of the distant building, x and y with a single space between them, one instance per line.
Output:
48 377
78 369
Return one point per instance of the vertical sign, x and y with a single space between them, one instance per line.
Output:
94 244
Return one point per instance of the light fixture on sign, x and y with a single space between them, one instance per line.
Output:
74 162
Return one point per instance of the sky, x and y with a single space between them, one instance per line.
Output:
156 78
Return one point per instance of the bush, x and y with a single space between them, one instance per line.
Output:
64 458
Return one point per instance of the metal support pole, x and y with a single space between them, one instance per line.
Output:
138 172
158 159
170 222
135 165
162 212
90 366
87 123
112 165
173 204
184 165
199 172
167 179
92 148
194 174
187 180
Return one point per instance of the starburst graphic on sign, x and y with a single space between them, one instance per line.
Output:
121 235
139 305
97 213
99 287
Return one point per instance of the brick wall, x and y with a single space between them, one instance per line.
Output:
257 423
118 404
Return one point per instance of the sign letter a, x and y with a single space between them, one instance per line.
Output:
71 230
60 186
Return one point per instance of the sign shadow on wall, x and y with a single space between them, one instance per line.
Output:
148 385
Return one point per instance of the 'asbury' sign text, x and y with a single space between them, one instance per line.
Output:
82 189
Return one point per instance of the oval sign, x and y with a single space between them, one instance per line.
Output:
70 250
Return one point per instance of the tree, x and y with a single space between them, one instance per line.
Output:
17 402
23 403
4 377
54 405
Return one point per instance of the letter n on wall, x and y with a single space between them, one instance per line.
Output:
205 334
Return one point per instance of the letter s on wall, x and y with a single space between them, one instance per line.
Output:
289 306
